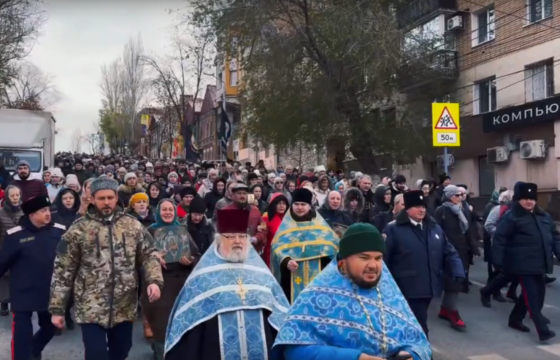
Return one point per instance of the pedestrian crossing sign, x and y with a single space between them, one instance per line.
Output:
445 121
445 125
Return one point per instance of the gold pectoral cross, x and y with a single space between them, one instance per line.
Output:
298 280
241 291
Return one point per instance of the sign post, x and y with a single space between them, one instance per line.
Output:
446 128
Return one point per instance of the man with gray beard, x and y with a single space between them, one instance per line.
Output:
231 306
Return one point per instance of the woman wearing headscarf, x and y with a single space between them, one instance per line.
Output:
323 188
168 233
198 225
452 218
354 203
66 210
273 218
66 204
257 191
212 197
332 212
10 214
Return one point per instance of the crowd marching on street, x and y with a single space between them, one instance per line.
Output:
238 261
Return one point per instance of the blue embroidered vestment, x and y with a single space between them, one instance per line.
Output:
328 313
305 242
237 293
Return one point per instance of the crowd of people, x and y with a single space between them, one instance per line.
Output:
235 261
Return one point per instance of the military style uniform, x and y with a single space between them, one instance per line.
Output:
99 258
29 253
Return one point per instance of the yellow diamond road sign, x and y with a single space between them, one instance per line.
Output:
446 127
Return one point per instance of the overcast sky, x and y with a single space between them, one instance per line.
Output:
80 36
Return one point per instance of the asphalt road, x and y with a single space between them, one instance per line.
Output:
487 336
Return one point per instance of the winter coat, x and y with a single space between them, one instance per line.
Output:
381 220
9 218
349 195
201 233
212 197
53 191
286 193
380 206
99 260
125 193
28 253
430 201
62 214
395 191
524 242
145 221
334 217
30 188
174 277
82 175
465 244
222 203
272 220
419 259
369 202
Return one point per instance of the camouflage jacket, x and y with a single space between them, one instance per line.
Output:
100 259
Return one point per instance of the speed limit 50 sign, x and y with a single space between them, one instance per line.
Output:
445 124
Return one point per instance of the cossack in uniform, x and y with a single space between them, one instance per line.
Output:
28 253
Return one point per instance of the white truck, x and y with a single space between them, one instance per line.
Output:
27 135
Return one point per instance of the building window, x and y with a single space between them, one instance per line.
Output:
485 96
486 183
233 72
483 26
538 10
539 81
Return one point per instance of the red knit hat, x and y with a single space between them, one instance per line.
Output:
232 221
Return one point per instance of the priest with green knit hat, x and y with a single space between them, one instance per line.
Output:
353 309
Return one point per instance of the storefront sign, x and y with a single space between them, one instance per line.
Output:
536 112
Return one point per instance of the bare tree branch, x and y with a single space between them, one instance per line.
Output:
76 141
176 74
30 89
112 85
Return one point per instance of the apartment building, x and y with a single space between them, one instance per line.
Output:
506 77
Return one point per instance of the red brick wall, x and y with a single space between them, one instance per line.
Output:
512 32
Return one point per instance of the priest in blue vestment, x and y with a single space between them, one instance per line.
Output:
353 310
231 306
303 245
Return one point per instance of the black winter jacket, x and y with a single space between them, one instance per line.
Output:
524 242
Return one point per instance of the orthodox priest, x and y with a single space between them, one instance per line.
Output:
353 309
303 245
231 306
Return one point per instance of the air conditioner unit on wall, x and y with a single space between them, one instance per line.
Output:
454 23
534 149
497 154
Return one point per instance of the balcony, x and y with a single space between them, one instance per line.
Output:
417 11
442 65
